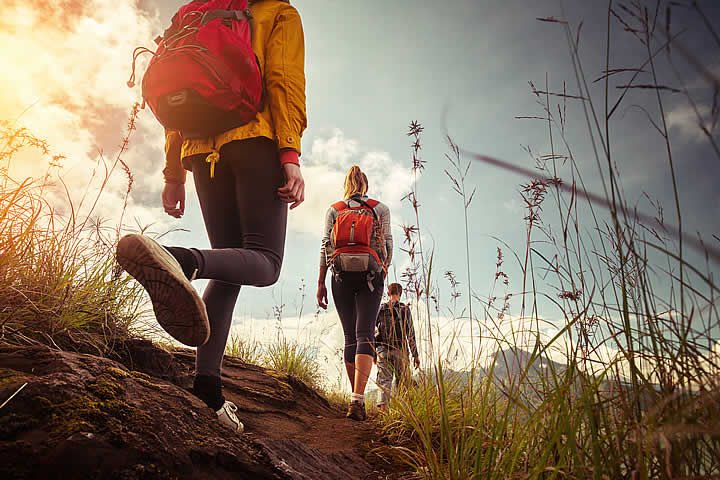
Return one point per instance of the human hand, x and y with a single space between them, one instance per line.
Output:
173 199
294 189
322 298
416 361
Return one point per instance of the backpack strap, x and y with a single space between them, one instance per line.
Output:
211 15
340 206
370 204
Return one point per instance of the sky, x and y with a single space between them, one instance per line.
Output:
461 68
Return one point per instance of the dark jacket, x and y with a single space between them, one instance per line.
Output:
395 328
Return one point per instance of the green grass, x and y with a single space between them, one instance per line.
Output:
615 283
59 283
635 323
294 359
247 350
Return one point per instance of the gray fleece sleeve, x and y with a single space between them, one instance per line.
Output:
326 243
384 215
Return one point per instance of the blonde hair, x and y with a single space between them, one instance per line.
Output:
356 182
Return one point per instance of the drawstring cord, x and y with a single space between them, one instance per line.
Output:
136 54
169 44
212 159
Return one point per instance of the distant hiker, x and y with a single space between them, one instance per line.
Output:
395 338
357 245
244 176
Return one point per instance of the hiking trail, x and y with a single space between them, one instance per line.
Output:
84 416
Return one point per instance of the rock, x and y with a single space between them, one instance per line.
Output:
86 417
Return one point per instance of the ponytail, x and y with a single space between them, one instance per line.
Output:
356 182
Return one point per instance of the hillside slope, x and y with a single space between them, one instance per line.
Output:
82 416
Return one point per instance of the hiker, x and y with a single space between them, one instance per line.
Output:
357 245
245 177
395 333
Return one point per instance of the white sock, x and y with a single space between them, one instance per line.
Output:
356 397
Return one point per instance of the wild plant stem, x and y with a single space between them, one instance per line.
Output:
666 137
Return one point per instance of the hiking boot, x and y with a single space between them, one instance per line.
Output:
356 411
178 307
226 416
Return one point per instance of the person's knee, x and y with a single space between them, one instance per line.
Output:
271 276
365 346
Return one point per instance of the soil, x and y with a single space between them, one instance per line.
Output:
82 416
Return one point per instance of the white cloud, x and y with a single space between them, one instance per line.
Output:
513 206
324 169
684 120
333 150
68 86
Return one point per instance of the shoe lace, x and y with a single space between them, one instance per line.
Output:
230 409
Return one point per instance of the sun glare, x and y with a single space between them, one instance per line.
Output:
70 69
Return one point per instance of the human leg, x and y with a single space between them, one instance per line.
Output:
246 227
400 365
384 376
363 366
343 292
367 304
350 370
248 220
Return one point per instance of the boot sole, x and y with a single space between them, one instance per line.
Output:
357 416
178 308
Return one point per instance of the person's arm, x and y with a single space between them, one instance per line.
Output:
173 171
325 250
173 194
285 88
284 77
386 226
322 297
410 335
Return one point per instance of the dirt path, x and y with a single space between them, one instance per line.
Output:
276 407
78 416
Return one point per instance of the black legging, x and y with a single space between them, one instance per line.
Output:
246 224
357 308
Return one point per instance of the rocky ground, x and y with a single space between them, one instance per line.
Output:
83 416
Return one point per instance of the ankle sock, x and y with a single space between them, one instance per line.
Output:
356 397
187 260
209 389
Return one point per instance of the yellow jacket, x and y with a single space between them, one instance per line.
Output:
279 43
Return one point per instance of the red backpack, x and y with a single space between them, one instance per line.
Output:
355 231
204 78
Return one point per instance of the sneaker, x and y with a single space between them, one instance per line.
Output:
226 416
356 411
178 307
